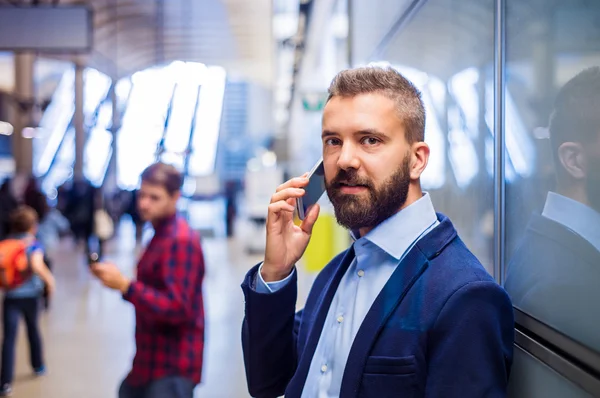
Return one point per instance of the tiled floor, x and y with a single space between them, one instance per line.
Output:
88 333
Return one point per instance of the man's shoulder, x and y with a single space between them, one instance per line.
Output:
183 233
455 267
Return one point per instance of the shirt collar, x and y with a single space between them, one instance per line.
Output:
396 234
164 225
574 215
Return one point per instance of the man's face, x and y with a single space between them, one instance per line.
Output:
367 159
155 203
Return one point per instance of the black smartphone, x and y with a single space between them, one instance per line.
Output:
94 251
314 190
93 259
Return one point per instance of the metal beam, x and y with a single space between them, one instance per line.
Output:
499 140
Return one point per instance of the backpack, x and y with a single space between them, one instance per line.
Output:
14 263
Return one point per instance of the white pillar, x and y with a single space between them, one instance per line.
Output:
78 121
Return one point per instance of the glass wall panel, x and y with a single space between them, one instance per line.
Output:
371 20
553 147
446 49
531 378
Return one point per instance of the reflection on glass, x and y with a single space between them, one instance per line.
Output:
555 273
553 210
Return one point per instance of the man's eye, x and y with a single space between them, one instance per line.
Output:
370 141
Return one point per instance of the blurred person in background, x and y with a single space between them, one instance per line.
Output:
23 300
81 205
8 203
167 295
52 226
133 211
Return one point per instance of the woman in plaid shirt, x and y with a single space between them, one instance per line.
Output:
167 295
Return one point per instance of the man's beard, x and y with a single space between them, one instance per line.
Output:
354 212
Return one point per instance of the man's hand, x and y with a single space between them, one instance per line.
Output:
111 277
286 242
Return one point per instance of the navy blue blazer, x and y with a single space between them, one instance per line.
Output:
441 327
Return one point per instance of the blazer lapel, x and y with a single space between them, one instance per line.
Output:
317 322
405 275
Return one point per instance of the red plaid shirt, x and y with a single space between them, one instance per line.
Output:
167 297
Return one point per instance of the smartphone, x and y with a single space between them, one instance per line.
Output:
314 190
93 259
94 253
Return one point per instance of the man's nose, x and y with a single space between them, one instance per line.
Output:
348 158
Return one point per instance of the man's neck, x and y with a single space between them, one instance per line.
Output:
162 221
576 193
414 193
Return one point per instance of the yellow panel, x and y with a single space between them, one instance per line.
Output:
328 239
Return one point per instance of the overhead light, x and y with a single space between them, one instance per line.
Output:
6 128
269 159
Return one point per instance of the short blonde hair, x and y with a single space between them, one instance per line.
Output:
389 82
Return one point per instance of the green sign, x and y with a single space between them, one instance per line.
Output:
314 102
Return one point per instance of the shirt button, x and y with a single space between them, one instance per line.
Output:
324 368
361 273
340 319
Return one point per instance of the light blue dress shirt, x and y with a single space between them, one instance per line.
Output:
576 216
377 255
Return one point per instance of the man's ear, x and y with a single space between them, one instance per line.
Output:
419 159
572 159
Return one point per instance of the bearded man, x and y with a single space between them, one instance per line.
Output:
407 311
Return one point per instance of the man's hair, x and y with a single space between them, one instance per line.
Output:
164 175
576 115
22 219
389 82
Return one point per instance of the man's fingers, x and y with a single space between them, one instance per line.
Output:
97 267
297 182
288 193
310 219
98 270
280 206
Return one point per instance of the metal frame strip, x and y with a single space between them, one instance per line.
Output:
499 142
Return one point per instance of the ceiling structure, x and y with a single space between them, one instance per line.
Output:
131 35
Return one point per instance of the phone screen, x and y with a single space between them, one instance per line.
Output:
314 190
